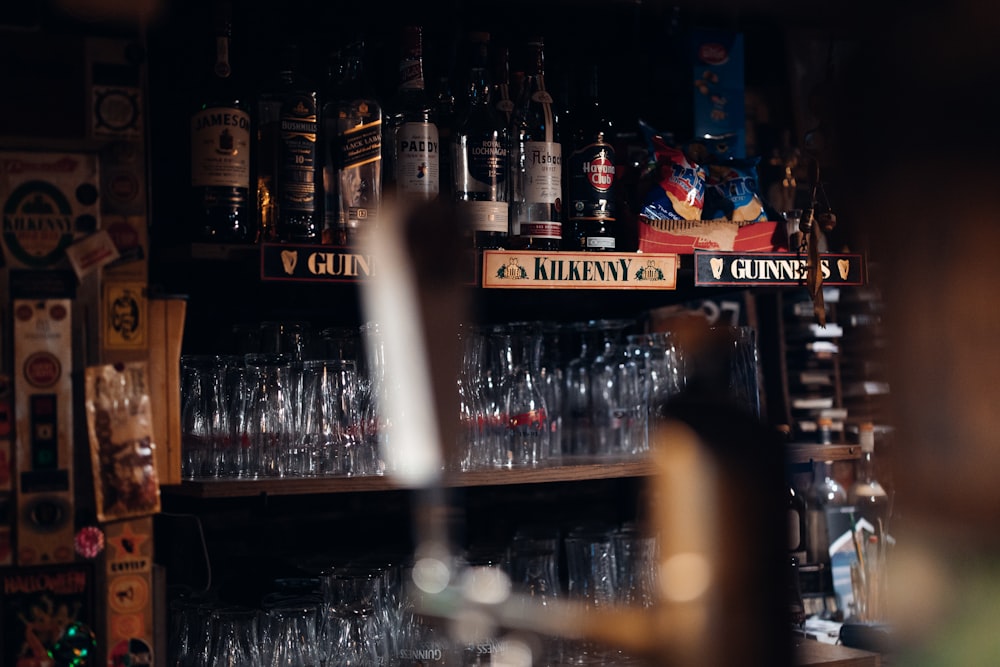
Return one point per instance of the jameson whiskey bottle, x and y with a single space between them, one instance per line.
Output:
480 155
220 147
287 159
415 140
352 120
591 176
536 196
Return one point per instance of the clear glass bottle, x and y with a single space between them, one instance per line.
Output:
870 500
825 496
352 123
287 154
590 176
220 135
480 155
416 165
536 185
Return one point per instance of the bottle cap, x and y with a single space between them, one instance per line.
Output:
866 436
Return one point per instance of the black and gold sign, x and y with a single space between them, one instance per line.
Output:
783 268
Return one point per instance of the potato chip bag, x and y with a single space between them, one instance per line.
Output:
678 191
731 191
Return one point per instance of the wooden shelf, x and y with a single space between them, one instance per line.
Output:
805 453
566 471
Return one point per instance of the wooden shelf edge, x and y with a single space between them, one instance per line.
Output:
573 470
806 453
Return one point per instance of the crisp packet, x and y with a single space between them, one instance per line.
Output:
731 191
678 192
120 427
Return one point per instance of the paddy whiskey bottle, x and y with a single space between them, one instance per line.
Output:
415 141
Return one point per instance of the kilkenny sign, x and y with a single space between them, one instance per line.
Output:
579 270
783 268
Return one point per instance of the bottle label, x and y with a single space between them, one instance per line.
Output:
485 216
220 148
480 167
592 176
297 157
542 172
417 160
360 156
600 243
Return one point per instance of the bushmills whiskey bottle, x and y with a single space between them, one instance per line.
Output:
480 155
591 176
415 142
287 155
220 135
536 196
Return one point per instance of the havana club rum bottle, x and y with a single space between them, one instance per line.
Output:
591 177
536 195
220 147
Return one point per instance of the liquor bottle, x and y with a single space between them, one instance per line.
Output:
870 500
504 93
480 155
536 192
352 127
415 140
824 499
592 224
445 110
287 155
220 147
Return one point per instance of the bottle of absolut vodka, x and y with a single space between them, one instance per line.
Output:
591 176
352 123
480 155
287 155
415 142
220 146
536 193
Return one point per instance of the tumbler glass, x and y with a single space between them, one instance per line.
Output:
527 438
289 632
329 417
270 413
618 411
201 415
236 641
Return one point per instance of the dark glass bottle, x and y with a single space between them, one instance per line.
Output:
287 155
415 141
504 91
352 124
591 220
444 107
220 135
536 185
480 155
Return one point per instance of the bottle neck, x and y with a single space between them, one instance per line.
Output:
222 67
411 65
